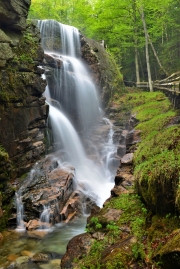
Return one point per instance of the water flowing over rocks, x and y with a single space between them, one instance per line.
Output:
123 180
49 195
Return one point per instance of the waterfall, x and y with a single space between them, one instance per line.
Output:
68 79
74 113
76 93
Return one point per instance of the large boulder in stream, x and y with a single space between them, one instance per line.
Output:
48 195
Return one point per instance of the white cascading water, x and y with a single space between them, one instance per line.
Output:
92 179
19 202
45 216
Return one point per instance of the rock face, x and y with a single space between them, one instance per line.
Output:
23 111
49 195
103 69
22 107
13 13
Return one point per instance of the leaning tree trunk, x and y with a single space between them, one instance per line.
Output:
147 50
156 56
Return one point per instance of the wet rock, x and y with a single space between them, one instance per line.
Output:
27 253
55 263
36 224
121 150
77 247
41 257
22 106
22 260
49 192
12 257
37 233
127 159
133 137
118 190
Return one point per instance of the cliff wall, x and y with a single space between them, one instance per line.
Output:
23 111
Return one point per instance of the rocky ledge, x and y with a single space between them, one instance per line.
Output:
49 195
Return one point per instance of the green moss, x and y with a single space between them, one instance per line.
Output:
151 109
157 178
156 142
156 123
13 81
5 217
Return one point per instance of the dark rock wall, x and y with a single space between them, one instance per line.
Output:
22 107
13 13
23 111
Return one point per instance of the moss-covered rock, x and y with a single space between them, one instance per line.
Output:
22 107
170 252
103 69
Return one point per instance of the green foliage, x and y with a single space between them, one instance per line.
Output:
120 25
95 222
92 261
156 160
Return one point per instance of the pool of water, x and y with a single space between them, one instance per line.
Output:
17 247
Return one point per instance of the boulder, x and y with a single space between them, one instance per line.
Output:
133 137
127 159
77 247
48 194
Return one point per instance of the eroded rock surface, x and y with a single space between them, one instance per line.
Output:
50 190
13 13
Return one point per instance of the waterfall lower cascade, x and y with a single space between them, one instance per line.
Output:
74 109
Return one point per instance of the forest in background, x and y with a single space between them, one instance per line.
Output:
130 29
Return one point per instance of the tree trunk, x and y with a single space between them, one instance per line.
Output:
134 8
147 50
156 56
137 65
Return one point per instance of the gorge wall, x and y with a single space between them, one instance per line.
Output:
23 111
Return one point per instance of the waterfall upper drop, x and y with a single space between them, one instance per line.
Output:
68 80
70 85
